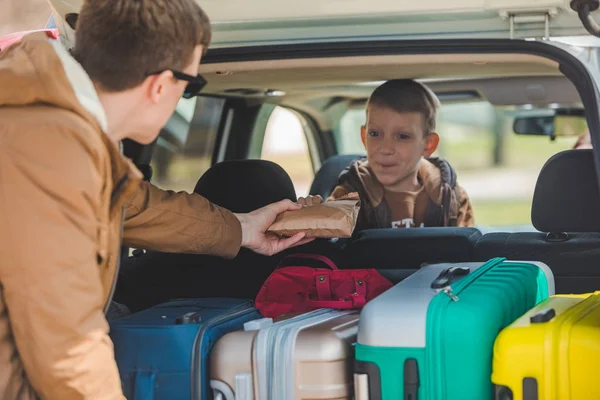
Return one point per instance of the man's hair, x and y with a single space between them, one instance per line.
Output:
120 42
406 95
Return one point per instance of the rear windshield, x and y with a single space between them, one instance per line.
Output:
497 167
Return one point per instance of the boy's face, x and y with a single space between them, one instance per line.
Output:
162 93
395 142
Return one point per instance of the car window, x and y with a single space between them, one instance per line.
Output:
285 143
347 135
185 147
497 167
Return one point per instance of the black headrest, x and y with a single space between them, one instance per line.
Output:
327 177
245 185
567 196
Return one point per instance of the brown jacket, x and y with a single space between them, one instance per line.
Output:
448 203
64 188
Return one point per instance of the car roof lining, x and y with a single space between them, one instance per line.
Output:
308 83
505 91
290 74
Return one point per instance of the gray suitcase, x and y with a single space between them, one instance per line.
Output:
309 356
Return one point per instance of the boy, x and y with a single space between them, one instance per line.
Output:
67 191
399 185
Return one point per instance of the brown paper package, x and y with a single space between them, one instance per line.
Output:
333 219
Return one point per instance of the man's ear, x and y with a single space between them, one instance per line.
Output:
363 135
431 144
156 85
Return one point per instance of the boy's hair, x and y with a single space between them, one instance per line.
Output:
406 95
120 42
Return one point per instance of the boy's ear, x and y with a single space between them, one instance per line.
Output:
431 144
363 135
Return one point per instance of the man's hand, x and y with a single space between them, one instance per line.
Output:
256 223
310 200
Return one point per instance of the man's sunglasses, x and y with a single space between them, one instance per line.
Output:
194 86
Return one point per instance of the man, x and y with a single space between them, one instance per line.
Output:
584 141
65 186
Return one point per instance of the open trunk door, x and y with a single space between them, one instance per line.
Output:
262 22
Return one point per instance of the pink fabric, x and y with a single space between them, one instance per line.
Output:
293 289
15 37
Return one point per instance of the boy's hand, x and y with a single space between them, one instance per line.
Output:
256 223
310 200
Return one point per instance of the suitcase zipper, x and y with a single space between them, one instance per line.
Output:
448 291
436 311
196 367
452 292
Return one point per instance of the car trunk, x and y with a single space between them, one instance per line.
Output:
240 22
260 22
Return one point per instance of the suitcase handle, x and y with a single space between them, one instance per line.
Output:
367 377
543 316
361 387
448 276
192 317
411 379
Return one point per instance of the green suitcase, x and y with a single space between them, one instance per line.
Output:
431 336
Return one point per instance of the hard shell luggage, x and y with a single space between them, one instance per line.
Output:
162 352
431 336
551 352
308 356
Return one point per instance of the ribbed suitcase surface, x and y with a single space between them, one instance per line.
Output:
309 356
436 329
551 352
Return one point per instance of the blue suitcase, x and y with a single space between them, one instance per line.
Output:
163 352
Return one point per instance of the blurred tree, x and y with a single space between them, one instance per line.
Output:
500 124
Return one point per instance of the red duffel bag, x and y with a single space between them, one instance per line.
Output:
293 289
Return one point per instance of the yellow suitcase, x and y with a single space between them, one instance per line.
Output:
552 352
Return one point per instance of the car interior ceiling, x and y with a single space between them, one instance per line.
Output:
566 241
306 81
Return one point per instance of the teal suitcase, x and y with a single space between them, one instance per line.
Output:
431 336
